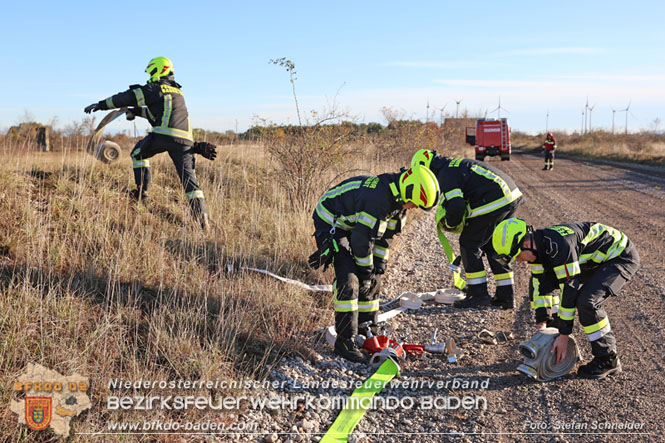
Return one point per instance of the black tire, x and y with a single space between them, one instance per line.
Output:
108 152
480 157
505 157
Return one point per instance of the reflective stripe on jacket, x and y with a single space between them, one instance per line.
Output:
161 103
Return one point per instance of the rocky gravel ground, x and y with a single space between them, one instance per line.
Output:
505 405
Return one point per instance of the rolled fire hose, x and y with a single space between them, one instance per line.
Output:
539 363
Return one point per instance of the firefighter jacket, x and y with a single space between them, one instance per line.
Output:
162 103
550 144
472 188
564 253
369 211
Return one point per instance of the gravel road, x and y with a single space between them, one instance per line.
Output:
507 406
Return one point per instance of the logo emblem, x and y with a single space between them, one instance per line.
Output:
38 412
551 249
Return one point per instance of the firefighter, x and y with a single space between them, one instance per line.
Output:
476 197
354 224
161 101
589 262
548 147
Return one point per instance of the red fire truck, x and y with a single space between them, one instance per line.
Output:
490 137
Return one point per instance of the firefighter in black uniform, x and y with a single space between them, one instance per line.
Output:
354 224
476 197
589 262
161 102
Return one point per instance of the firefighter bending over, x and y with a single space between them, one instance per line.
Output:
588 262
161 101
476 197
354 224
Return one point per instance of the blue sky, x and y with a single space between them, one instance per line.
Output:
537 57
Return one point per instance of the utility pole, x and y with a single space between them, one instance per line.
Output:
457 109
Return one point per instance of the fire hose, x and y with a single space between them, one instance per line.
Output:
360 401
539 363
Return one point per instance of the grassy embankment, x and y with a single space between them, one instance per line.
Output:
93 283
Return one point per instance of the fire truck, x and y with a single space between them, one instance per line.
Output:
490 137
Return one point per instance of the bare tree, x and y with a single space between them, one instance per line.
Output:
291 69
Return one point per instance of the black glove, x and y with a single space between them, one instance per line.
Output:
91 108
366 285
324 255
205 149
132 113
380 267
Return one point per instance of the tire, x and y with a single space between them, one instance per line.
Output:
505 157
108 152
480 157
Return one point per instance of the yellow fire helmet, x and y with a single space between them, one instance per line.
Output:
159 67
422 157
419 186
507 237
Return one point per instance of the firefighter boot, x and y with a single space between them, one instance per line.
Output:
348 348
476 297
600 367
545 168
199 212
504 297
135 194
346 325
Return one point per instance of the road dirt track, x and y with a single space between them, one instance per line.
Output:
518 408
575 190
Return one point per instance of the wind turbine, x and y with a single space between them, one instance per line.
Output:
427 112
547 121
499 108
627 110
614 111
590 113
441 110
583 120
457 110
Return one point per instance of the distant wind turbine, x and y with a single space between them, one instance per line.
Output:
499 108
627 110
590 113
457 110
441 110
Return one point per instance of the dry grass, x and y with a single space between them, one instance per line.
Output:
93 283
647 148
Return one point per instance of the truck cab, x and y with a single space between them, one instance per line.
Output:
490 138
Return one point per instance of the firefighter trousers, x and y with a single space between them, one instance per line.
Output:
183 160
476 241
352 303
597 287
549 158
